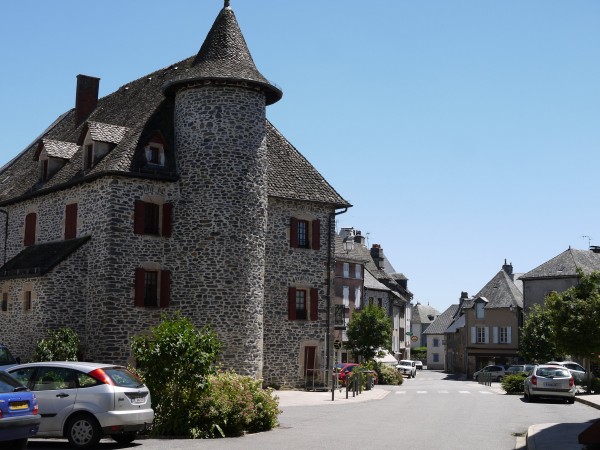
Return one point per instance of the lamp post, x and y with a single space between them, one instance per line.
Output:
348 244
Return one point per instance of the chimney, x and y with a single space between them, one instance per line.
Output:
377 255
508 268
86 97
463 297
359 238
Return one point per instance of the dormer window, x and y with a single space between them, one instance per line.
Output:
44 167
88 160
52 156
155 154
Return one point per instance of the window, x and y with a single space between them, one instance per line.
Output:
371 300
502 335
479 310
380 302
54 378
481 335
153 219
152 288
436 342
5 301
357 271
89 157
44 163
30 228
301 306
305 234
155 155
27 301
436 357
346 296
346 270
357 297
71 221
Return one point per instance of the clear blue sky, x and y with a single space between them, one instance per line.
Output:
463 132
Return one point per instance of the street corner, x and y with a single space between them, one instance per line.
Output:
304 398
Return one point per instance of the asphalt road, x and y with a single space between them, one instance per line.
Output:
432 411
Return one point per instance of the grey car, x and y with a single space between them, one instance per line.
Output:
495 372
84 401
550 381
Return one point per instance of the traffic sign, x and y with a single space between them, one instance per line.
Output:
337 344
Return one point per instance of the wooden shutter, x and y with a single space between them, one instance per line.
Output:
487 335
314 304
316 234
30 224
509 335
294 232
71 221
138 217
167 219
495 334
139 286
165 288
292 303
473 335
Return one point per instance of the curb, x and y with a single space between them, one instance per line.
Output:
587 402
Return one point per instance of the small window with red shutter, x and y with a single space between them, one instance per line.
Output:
305 234
303 304
71 221
30 228
153 219
152 288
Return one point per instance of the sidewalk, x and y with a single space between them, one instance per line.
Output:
305 398
560 436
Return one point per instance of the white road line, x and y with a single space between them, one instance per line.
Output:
400 392
421 392
464 392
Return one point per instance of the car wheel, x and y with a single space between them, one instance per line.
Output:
124 438
83 431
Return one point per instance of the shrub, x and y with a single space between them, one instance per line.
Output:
388 375
233 404
60 345
513 384
175 361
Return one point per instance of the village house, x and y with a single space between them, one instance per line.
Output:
172 194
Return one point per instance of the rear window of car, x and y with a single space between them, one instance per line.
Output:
552 372
122 377
7 383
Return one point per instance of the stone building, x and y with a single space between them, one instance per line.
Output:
174 193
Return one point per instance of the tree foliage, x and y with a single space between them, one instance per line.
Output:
369 332
175 361
575 317
60 345
537 337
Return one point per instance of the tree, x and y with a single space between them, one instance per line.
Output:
537 338
575 317
60 345
369 331
175 361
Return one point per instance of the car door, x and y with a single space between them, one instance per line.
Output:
56 391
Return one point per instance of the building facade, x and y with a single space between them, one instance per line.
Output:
172 194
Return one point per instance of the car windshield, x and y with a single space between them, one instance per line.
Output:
122 377
405 363
552 372
9 384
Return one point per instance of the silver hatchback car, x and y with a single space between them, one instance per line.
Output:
84 401
550 381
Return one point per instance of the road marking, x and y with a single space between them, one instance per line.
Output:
400 392
421 392
464 392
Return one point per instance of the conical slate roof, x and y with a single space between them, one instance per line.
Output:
501 292
224 57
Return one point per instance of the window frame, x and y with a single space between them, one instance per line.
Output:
71 221
27 301
164 221
163 288
479 310
30 229
312 240
312 304
480 335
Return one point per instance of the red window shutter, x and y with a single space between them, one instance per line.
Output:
316 234
138 217
71 221
139 286
30 223
165 288
294 232
292 303
167 219
314 304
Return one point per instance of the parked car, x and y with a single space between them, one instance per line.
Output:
19 414
419 365
497 373
550 380
578 372
407 367
7 360
519 368
343 369
84 401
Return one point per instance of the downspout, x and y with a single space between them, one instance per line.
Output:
327 335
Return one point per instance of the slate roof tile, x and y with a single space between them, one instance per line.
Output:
566 265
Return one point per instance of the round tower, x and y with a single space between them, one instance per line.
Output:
221 218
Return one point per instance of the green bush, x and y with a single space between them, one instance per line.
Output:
388 375
513 384
175 361
232 405
60 345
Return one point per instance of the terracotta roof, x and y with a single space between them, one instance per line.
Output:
566 264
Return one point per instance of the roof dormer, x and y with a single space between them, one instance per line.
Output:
154 151
52 156
97 140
